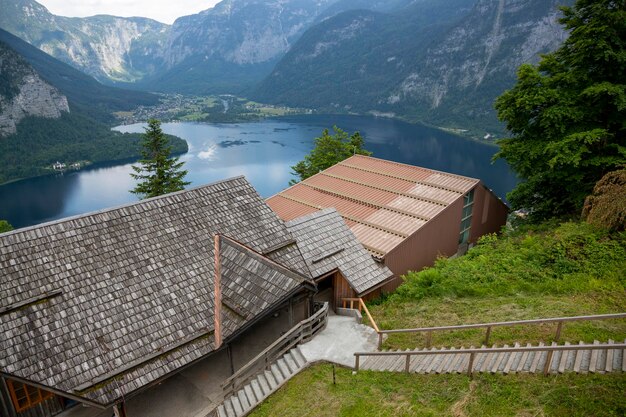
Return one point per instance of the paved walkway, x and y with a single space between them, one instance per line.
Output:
338 342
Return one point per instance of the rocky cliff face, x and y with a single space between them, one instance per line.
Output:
438 62
23 93
476 60
106 47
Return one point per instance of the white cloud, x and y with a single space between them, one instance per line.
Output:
165 11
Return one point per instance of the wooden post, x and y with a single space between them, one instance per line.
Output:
229 350
559 327
356 363
119 410
429 337
407 365
380 340
487 335
546 367
470 366
218 293
290 313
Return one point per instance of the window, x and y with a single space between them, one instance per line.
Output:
466 216
26 396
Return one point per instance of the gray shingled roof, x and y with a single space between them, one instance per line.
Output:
327 244
130 289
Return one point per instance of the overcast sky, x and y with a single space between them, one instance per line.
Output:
165 11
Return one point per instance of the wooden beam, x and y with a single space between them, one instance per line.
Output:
389 190
363 201
29 301
217 285
430 184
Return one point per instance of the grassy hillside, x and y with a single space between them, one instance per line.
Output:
550 270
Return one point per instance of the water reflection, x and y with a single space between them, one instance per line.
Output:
262 151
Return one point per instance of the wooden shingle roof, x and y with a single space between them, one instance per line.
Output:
103 304
328 244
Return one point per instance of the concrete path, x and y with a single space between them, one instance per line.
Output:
337 343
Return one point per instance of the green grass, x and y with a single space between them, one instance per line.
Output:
542 271
368 393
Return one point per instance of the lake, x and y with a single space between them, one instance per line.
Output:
262 151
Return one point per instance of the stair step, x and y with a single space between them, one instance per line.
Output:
291 364
593 362
269 376
228 406
265 386
243 400
250 394
284 369
298 357
236 406
278 376
256 388
221 411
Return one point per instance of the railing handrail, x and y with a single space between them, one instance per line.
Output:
367 312
296 330
495 350
473 351
507 323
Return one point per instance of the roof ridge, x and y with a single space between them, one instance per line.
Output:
121 206
289 272
316 214
449 174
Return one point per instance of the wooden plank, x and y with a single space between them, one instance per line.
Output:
594 358
499 358
533 365
563 361
522 361
609 359
455 362
509 363
578 357
444 361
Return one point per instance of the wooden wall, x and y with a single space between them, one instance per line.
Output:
50 407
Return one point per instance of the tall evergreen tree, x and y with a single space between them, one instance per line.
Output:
329 150
567 115
157 172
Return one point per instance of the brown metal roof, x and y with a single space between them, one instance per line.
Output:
383 202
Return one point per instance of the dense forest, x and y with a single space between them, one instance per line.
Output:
39 143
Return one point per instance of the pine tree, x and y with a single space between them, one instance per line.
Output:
567 114
329 150
157 172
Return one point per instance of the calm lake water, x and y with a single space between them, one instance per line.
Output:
262 151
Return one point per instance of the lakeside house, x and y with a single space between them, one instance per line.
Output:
104 308
405 216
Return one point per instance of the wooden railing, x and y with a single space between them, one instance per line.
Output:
360 305
300 333
488 326
473 351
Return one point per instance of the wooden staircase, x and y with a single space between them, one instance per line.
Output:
596 358
263 385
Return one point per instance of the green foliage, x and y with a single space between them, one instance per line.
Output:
157 173
5 226
567 114
329 150
606 207
40 142
569 259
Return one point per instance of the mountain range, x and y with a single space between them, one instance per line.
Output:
433 61
50 111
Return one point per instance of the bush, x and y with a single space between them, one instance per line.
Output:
570 258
